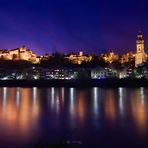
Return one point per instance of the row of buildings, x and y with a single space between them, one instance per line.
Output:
23 53
139 56
39 73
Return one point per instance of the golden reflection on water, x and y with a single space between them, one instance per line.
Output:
18 110
110 106
77 106
81 107
115 104
139 109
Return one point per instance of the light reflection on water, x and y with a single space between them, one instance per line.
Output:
27 113
95 100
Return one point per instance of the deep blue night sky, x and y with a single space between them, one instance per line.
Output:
73 25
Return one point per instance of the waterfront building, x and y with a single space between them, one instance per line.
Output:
101 73
98 73
140 54
58 73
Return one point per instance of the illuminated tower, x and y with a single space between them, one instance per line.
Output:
140 55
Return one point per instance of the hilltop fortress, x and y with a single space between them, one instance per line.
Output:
21 53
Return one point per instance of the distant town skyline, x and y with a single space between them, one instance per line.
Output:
93 26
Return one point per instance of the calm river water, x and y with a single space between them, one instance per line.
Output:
74 117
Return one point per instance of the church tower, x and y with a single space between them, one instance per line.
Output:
140 55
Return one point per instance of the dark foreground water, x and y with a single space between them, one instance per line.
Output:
73 117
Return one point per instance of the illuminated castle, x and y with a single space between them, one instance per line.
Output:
21 53
140 54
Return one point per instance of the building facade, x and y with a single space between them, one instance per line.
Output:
21 53
79 58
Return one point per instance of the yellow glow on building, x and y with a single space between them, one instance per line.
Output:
78 59
140 54
21 53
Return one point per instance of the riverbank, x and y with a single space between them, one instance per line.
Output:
76 83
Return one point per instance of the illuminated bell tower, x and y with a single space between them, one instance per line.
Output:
140 55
